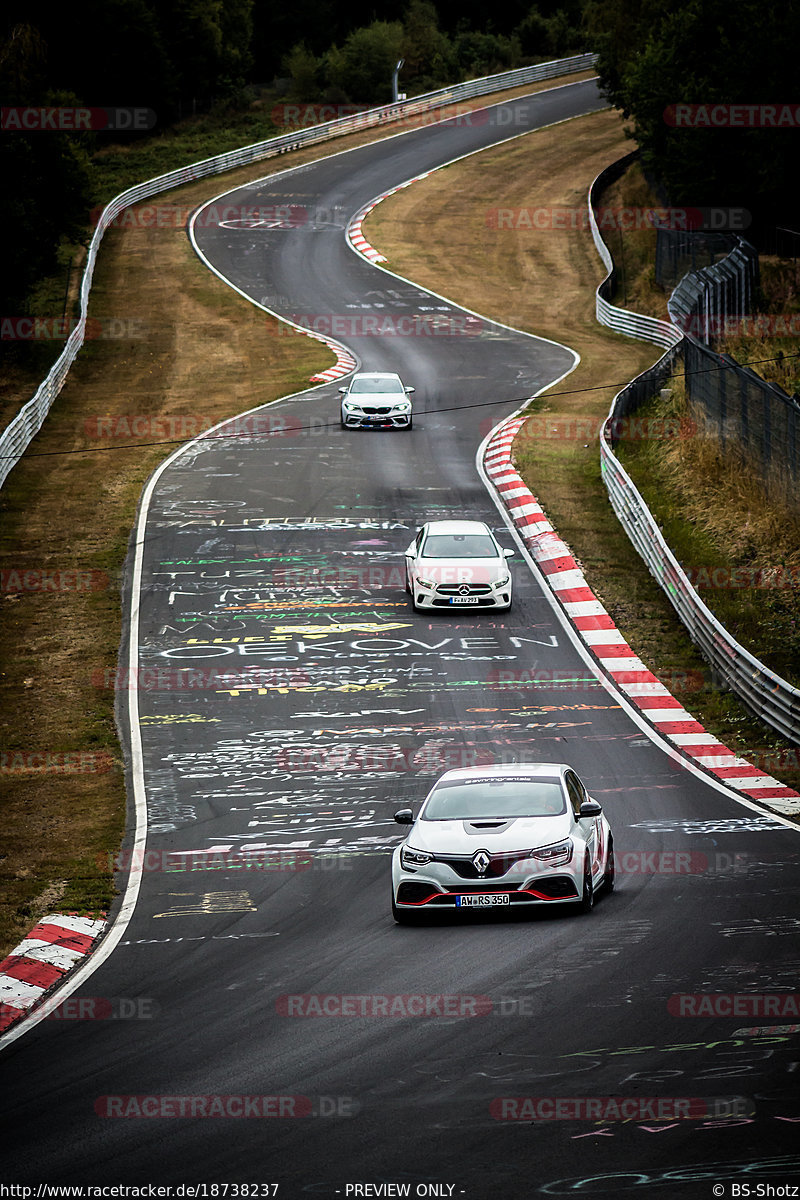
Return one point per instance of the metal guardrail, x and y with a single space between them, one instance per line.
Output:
622 320
771 698
17 436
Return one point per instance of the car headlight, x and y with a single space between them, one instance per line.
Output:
426 583
351 407
403 406
409 857
555 855
501 583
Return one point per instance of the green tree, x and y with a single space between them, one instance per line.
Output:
617 31
485 53
305 70
428 54
192 34
712 52
555 36
50 170
363 68
236 23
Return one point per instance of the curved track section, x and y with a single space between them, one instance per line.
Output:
288 701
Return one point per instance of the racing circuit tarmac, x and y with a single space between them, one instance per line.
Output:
281 1028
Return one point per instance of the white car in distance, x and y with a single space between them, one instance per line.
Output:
376 400
457 564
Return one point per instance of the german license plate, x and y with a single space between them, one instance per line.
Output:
479 901
463 599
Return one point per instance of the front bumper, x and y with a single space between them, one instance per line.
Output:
414 897
389 420
478 597
443 889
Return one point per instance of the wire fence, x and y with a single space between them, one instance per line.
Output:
755 422
679 251
715 387
756 425
714 300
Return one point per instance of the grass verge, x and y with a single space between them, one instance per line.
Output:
196 353
741 550
532 275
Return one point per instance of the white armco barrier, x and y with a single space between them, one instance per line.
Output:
767 695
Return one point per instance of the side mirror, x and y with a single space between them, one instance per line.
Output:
410 389
342 390
589 808
404 816
508 554
411 549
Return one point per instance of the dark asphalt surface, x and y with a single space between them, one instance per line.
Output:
289 702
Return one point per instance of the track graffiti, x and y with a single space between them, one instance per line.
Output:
778 1166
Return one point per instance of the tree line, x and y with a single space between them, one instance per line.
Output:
708 87
179 57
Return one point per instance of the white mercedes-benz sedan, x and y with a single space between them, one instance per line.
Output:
454 564
519 834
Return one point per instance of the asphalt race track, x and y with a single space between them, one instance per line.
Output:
289 702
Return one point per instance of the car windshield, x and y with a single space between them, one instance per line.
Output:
369 385
459 545
513 796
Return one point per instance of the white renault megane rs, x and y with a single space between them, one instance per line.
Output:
457 564
501 836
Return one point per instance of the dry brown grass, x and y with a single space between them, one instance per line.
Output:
441 233
724 500
203 354
543 281
634 248
743 545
